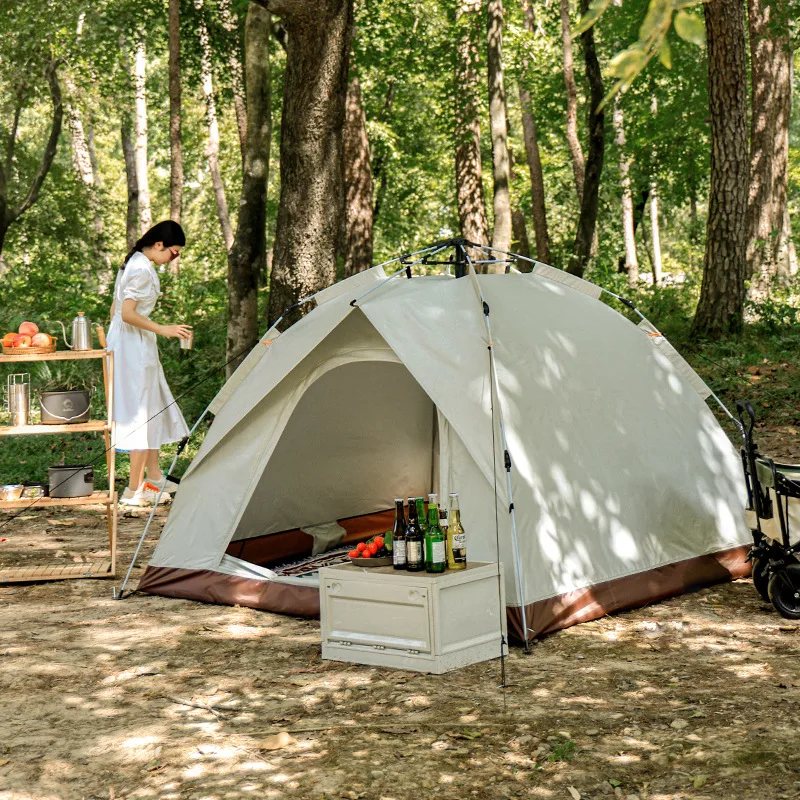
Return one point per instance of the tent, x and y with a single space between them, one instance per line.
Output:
580 444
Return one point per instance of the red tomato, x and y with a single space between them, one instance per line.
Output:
378 541
354 554
361 546
373 548
366 554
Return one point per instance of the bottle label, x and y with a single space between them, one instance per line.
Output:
399 552
437 552
459 540
414 552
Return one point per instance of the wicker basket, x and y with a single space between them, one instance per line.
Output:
30 351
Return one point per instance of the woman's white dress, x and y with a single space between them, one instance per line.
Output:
145 411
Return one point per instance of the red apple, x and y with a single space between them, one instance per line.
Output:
28 328
21 340
41 340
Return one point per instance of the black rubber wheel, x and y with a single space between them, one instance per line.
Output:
784 591
761 576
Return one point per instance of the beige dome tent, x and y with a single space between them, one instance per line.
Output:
619 488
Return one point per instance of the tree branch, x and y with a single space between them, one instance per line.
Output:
288 8
12 138
50 148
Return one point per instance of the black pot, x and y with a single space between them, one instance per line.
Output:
65 408
71 481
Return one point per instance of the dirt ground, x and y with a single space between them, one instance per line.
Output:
696 697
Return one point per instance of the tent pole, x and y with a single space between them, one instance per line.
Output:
495 388
153 511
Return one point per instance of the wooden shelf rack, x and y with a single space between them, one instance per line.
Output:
99 568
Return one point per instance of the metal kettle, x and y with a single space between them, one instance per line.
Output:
81 333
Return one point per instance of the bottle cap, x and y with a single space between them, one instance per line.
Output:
453 494
398 499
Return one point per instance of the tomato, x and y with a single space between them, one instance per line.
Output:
373 548
361 546
378 541
366 554
354 554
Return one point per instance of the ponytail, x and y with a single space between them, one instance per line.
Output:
169 233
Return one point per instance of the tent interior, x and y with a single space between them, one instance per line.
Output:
361 435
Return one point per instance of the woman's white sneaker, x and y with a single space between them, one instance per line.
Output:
145 495
170 487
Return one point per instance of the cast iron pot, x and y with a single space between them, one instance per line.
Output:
71 481
62 408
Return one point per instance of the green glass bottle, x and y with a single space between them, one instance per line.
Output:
435 556
421 515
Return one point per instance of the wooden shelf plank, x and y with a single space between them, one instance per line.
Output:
79 427
59 355
98 498
55 572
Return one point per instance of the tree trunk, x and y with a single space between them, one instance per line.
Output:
357 185
175 138
10 213
520 242
655 233
531 139
132 217
236 74
575 150
587 222
631 264
311 201
469 179
212 147
771 82
721 306
81 159
246 260
498 123
140 146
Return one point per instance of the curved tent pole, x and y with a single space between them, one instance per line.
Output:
495 388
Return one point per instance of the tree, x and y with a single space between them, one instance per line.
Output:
358 214
532 152
585 235
631 263
10 212
575 149
246 260
498 123
235 68
175 136
310 206
721 306
768 243
140 143
469 173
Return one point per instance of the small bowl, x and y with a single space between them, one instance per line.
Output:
383 561
11 491
35 490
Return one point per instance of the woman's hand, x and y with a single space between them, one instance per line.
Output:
176 331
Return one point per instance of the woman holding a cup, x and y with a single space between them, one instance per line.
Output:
145 412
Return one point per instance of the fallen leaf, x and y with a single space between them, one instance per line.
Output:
679 724
574 793
700 781
4 761
277 741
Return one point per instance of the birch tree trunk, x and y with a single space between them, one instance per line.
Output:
311 202
140 145
586 234
532 152
358 220
655 233
631 261
212 147
129 153
725 270
175 135
81 159
768 253
498 123
574 143
469 179
236 75
247 258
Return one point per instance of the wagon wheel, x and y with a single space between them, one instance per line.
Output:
761 576
784 591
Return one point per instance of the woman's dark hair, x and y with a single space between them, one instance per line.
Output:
169 233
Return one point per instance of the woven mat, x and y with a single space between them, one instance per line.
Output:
308 567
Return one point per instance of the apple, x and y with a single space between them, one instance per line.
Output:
9 337
21 340
28 328
41 340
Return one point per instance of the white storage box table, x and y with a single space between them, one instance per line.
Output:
412 620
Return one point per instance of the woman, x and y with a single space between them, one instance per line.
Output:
145 412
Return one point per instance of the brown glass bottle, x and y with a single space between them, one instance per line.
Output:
415 540
399 535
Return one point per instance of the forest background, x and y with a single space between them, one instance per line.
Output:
299 143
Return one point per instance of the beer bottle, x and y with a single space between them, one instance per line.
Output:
415 541
435 560
399 535
456 538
